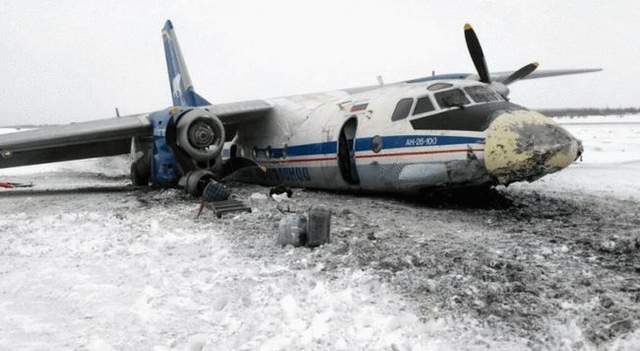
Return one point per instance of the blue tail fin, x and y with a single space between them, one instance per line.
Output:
181 88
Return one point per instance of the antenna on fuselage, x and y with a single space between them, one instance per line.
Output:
117 113
433 73
380 81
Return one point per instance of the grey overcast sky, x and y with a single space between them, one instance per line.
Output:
68 61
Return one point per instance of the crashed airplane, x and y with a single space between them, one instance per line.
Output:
451 130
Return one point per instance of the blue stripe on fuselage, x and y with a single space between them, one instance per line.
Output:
388 142
402 141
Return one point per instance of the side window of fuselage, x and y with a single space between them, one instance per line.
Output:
402 109
423 105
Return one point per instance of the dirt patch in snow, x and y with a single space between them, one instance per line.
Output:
520 263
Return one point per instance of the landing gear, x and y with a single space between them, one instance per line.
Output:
140 171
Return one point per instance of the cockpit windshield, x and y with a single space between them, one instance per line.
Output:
451 98
481 93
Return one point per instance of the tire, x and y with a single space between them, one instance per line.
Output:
203 120
196 181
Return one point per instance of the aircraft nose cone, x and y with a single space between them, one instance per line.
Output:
526 145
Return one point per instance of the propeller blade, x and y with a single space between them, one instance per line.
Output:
521 73
477 56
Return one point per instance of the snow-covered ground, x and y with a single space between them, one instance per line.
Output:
124 269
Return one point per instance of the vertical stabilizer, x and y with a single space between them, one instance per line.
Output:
181 87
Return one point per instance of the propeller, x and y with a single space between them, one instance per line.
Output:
521 73
477 56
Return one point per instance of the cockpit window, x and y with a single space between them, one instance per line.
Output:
451 98
402 109
423 105
480 93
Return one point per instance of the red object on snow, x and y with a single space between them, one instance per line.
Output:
6 185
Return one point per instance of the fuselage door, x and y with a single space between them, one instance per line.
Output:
347 153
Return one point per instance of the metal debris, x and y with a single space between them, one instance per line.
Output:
216 197
299 230
11 185
280 189
318 226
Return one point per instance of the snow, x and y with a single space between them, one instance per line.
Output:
127 269
114 275
110 274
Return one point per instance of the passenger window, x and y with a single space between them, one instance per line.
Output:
423 105
402 109
451 98
481 94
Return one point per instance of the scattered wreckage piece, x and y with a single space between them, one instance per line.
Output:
11 185
215 191
216 196
221 207
318 226
311 230
280 189
292 230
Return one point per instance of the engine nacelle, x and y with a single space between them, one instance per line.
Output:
500 89
200 134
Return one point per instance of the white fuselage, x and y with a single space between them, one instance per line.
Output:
299 143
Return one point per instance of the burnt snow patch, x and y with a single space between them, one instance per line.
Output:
522 265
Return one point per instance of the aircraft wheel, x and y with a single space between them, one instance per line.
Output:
196 181
200 134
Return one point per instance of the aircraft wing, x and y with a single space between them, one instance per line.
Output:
105 137
240 112
543 73
495 76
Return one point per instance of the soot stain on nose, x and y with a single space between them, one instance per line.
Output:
541 138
